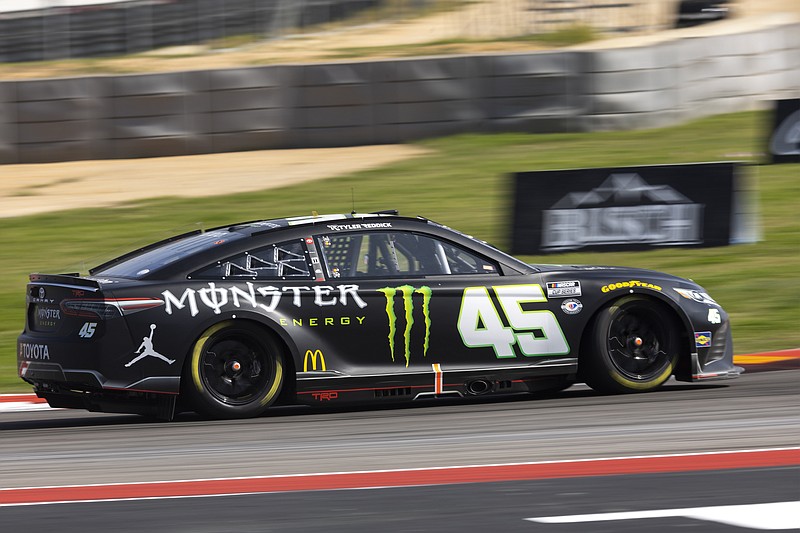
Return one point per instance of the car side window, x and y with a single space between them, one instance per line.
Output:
285 260
459 261
397 254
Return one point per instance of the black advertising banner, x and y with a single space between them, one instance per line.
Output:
632 208
784 140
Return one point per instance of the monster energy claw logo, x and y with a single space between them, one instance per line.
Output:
408 293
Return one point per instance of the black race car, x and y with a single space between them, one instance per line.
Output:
353 308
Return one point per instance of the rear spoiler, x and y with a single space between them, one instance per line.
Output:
68 280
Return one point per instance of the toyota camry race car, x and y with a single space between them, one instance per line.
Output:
353 308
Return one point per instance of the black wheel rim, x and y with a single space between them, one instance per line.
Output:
639 341
236 367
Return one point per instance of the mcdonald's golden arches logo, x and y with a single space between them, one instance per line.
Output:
314 355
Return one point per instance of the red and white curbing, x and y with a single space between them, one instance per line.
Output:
20 403
767 357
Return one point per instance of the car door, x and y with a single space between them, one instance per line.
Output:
429 301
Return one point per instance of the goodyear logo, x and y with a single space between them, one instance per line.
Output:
313 356
407 293
702 339
629 284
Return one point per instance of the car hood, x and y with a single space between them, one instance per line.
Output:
599 271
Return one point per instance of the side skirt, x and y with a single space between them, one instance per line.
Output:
316 388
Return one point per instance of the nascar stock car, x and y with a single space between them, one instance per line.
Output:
353 308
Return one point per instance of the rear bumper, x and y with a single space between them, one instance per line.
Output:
87 389
52 375
60 395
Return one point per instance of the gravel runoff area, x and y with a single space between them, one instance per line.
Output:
38 188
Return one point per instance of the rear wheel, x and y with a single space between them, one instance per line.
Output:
235 371
633 346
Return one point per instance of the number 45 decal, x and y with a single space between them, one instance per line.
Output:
536 332
88 329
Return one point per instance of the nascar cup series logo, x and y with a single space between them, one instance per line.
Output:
407 293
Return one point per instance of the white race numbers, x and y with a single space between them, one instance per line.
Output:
87 331
536 332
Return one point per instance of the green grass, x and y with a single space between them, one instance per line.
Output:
566 36
463 183
397 9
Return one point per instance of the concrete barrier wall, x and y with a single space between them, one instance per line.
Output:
727 72
395 101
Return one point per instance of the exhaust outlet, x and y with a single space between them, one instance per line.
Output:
479 386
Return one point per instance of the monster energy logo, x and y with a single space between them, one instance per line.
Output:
408 293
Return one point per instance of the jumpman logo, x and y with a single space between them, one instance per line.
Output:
147 346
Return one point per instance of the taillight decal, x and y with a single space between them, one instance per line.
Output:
108 307
90 308
131 305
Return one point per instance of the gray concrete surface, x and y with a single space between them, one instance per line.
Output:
760 410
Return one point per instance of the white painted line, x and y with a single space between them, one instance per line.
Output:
763 516
428 469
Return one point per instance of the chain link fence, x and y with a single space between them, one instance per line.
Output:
36 30
58 29
514 18
631 16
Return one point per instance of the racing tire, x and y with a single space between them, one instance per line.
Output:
236 370
632 346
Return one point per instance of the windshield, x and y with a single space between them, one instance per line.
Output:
153 259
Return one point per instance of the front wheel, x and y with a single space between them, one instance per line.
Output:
235 371
633 346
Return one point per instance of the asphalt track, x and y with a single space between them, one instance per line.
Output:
688 501
760 410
